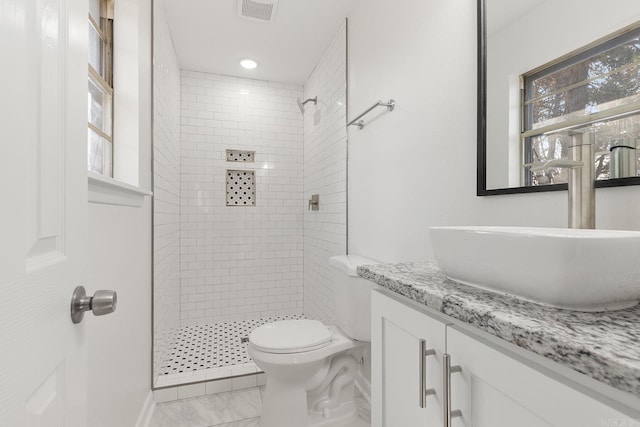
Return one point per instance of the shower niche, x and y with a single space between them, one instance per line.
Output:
241 156
241 187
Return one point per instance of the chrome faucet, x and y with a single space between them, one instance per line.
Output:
582 192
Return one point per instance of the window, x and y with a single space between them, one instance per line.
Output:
100 88
595 92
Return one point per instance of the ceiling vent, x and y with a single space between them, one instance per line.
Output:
259 10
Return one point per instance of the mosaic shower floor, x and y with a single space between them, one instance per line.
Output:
208 352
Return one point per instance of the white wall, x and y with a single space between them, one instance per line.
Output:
120 343
240 262
325 151
415 167
119 355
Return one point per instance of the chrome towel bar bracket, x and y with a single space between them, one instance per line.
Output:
360 123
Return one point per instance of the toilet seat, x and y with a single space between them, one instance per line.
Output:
290 336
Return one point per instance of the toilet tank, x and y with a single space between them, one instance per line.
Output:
352 296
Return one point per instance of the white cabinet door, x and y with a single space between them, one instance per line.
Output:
395 347
43 231
494 390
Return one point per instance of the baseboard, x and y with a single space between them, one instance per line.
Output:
363 386
147 411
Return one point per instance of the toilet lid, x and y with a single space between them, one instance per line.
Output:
290 336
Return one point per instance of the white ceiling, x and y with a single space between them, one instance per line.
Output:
210 36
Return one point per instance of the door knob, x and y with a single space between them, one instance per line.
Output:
101 303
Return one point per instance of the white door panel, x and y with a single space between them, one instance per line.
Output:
42 211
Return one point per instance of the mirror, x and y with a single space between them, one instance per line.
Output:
520 47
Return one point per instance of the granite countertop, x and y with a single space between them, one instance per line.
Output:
604 345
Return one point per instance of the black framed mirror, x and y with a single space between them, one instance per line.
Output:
504 31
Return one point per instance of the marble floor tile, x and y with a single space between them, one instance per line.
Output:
364 409
359 423
250 422
210 410
240 408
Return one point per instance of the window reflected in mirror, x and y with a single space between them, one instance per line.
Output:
595 92
546 71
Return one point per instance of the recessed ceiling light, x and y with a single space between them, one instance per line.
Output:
249 64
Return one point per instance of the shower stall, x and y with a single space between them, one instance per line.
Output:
235 162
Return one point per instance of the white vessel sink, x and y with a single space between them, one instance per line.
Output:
585 270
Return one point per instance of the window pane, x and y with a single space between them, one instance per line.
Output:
607 76
99 107
95 50
100 93
615 148
544 148
94 9
100 154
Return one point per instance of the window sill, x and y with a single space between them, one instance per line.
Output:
108 191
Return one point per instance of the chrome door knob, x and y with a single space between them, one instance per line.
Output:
101 303
104 302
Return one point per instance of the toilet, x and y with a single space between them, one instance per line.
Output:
310 366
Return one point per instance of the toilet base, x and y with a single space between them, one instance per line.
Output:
283 405
343 415
310 388
323 400
286 406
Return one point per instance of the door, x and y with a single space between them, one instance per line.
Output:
43 218
495 390
397 355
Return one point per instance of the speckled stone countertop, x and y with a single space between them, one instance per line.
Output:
604 346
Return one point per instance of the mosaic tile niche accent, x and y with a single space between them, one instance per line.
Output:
241 156
241 187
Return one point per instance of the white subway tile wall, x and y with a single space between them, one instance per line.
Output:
240 263
215 263
325 173
166 177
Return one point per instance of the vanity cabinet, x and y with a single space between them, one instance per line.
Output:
407 348
493 388
496 390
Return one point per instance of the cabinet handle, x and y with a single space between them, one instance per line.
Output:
446 390
424 392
